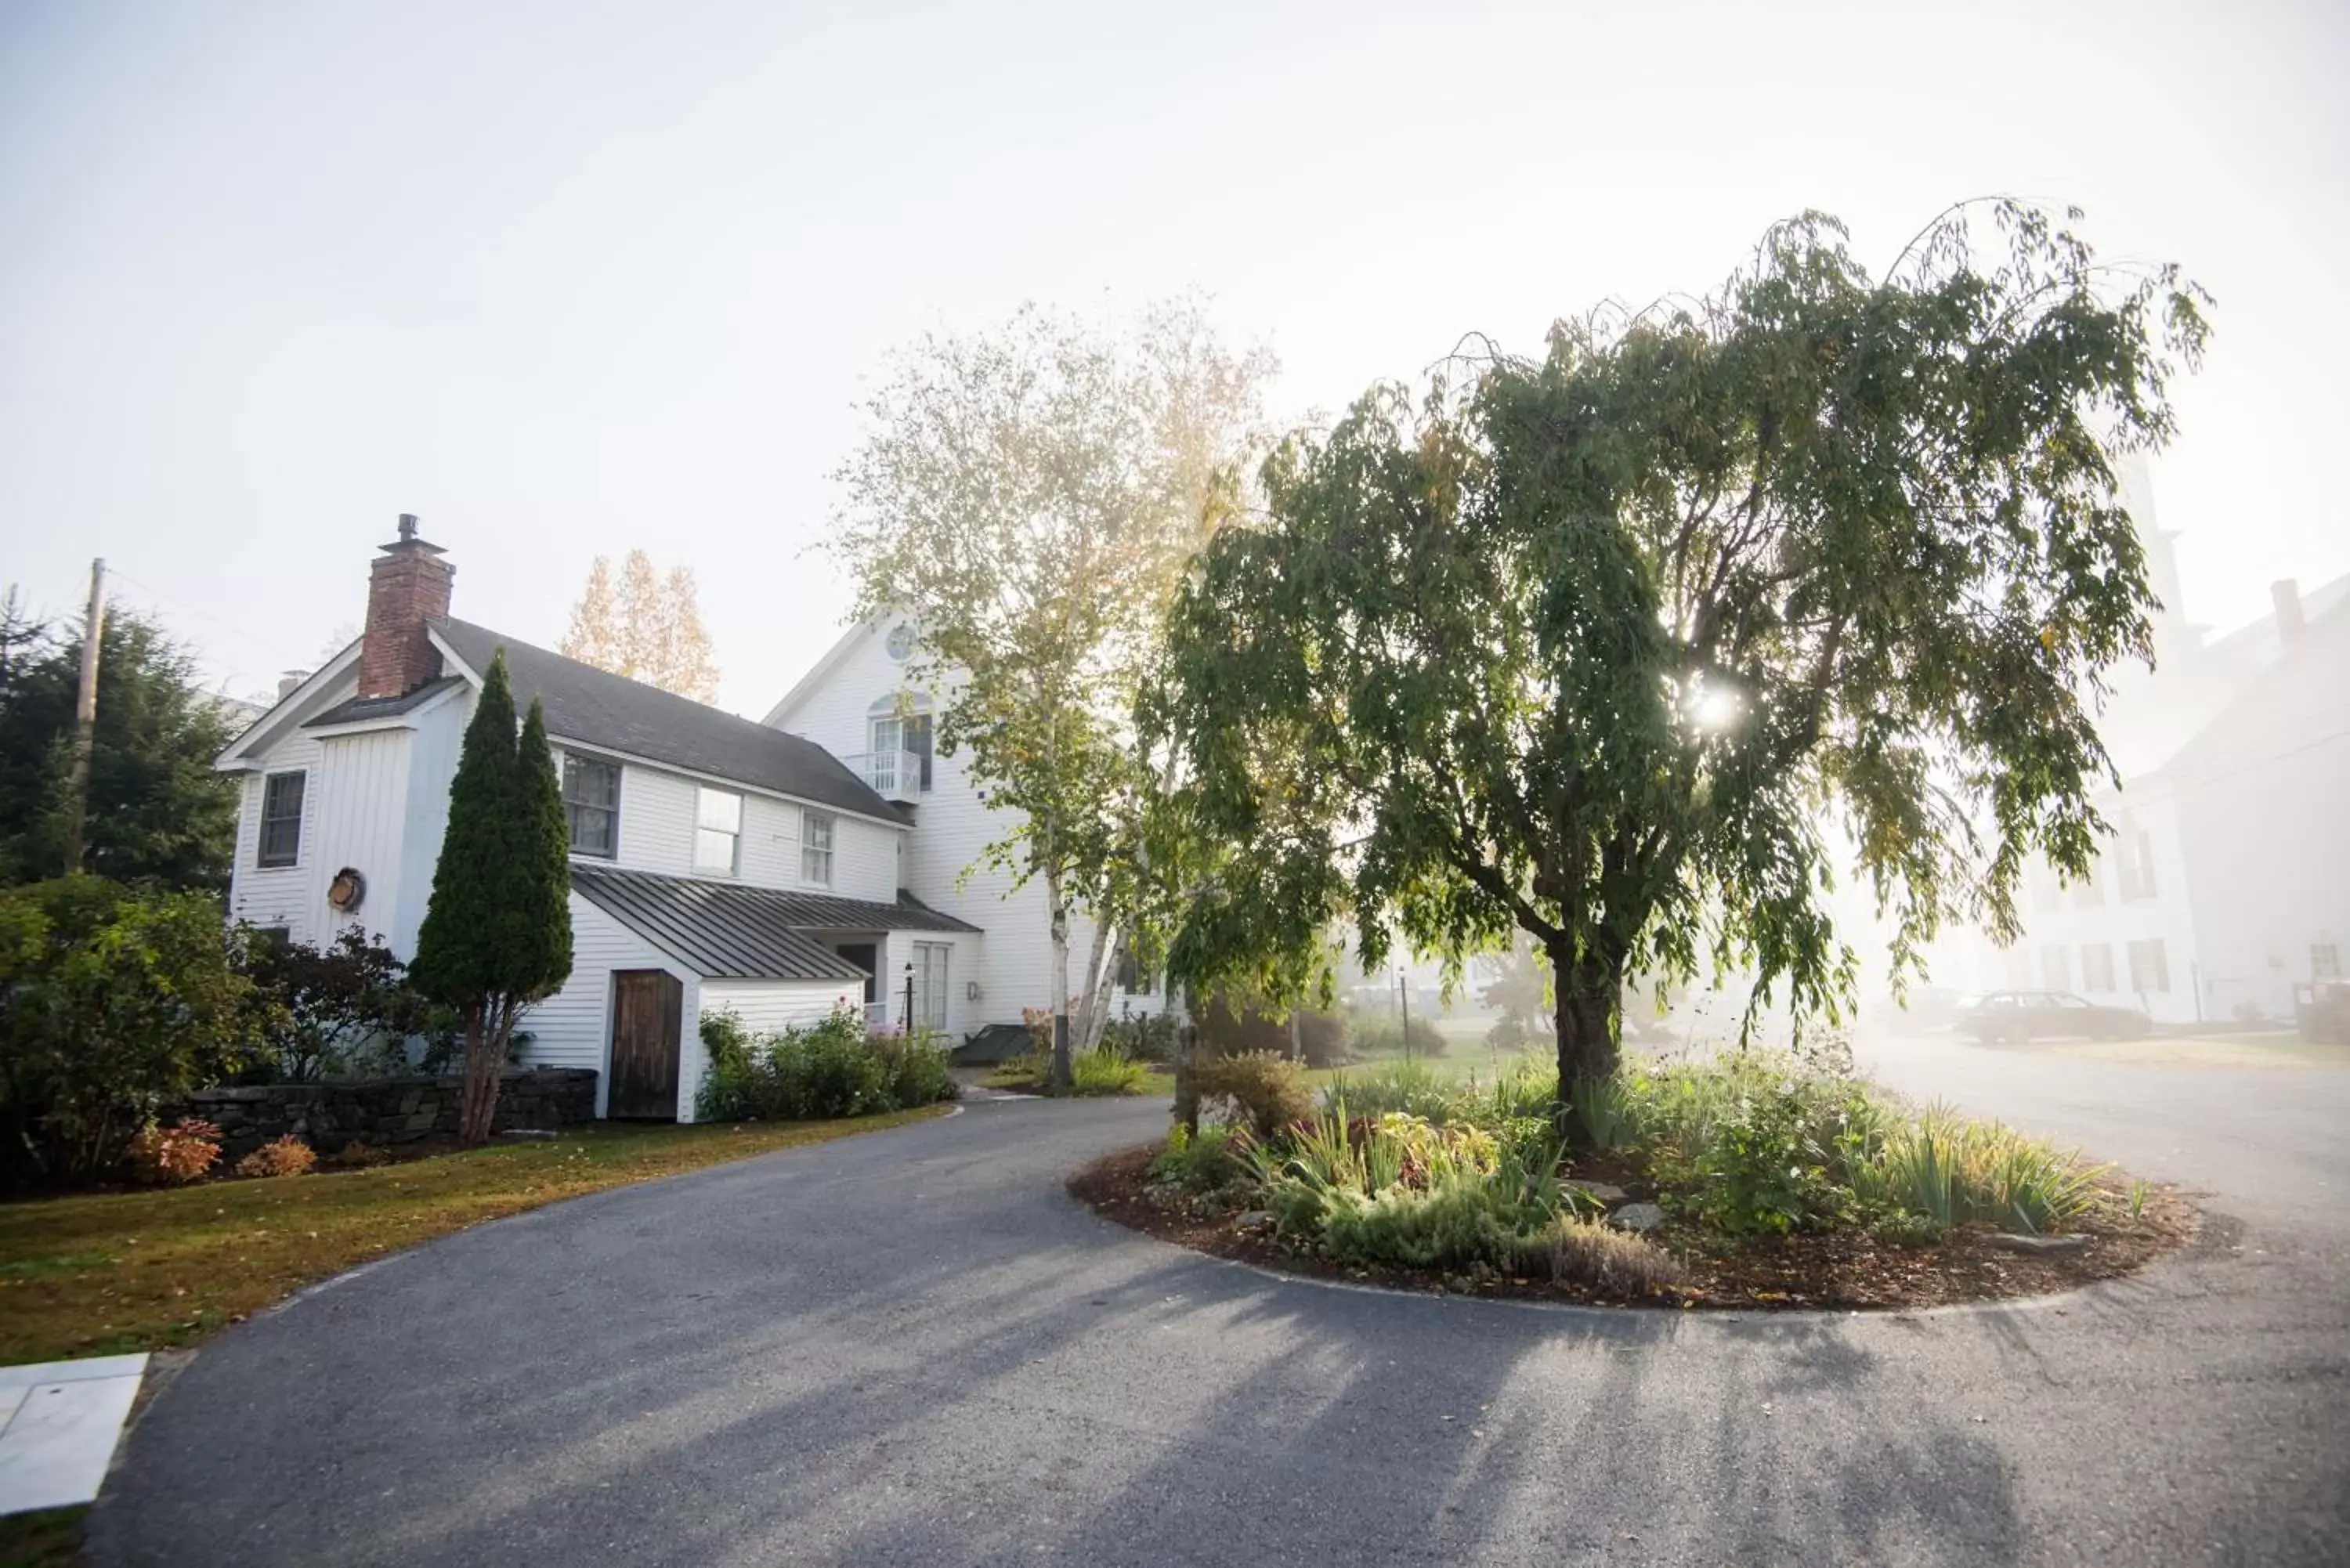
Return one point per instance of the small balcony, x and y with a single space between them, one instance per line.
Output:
892 775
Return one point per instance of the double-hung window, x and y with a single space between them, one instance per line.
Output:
717 831
591 805
815 847
281 818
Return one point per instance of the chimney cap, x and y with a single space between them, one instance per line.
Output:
408 542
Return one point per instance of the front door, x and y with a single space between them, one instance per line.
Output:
647 1022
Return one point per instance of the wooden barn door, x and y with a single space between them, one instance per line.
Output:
647 1022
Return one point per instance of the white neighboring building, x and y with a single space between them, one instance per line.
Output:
716 863
2228 878
859 704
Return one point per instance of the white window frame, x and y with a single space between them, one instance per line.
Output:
819 830
572 760
717 826
931 985
261 859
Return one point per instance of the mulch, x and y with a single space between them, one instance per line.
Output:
1842 1270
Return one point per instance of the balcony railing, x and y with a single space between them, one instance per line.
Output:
892 775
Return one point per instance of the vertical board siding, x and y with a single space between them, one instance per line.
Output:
433 748
362 806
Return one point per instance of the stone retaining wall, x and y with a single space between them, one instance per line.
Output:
381 1111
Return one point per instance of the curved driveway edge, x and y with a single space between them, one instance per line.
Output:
915 1347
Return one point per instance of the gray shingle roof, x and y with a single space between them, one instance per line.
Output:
726 930
598 708
360 708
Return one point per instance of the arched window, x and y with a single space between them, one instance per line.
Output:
901 722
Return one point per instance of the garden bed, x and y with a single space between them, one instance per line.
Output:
1840 1271
1740 1180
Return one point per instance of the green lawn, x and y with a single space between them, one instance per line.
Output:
113 1272
1462 1060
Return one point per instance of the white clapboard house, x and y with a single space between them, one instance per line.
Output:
716 863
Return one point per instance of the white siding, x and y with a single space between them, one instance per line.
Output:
434 747
939 861
285 896
656 816
765 1006
362 787
966 962
572 1028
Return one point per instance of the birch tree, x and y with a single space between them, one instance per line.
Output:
646 627
1585 646
1030 496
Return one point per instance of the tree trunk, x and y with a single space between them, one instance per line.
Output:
1061 1074
486 1054
1093 1008
1588 1011
1296 1036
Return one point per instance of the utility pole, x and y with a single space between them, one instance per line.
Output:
93 628
1403 995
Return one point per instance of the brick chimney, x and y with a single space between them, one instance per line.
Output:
408 585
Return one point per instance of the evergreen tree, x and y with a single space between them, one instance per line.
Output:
158 811
498 934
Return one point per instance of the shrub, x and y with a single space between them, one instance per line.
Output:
112 1002
1948 1171
1267 1092
1029 1070
815 1072
177 1154
345 1005
1592 1252
1149 1037
1405 1086
1384 1034
1757 1143
1226 1032
1106 1070
916 1068
288 1156
1200 1163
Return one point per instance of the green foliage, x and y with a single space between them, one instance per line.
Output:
1384 1034
158 811
1237 1020
1107 1069
1206 1162
1028 497
1149 1037
1265 1092
1948 1171
112 1002
1405 1086
497 923
338 1005
1577 646
497 932
1397 1189
817 1071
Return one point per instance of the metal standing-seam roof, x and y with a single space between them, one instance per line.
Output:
725 931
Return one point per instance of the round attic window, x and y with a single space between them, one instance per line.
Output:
901 640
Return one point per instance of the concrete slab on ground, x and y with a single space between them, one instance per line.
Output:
59 1421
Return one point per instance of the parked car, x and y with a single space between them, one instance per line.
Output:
2048 1015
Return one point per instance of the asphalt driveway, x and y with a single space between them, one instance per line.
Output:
912 1348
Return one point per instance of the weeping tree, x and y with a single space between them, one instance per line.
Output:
497 933
1614 647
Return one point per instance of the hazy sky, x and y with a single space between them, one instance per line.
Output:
571 278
